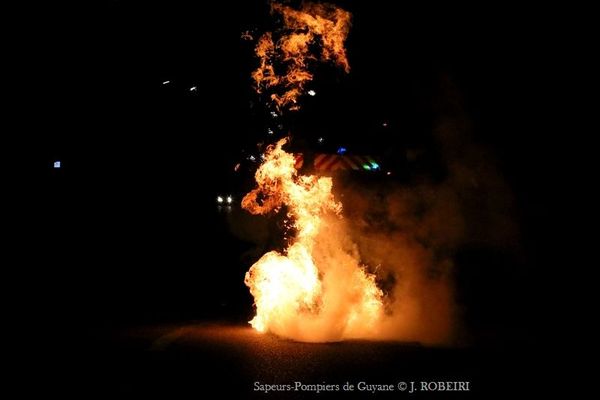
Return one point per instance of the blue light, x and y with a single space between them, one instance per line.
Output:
56 164
341 150
374 165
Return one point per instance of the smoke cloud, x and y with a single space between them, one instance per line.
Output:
409 234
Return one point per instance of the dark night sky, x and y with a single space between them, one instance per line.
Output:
142 161
103 105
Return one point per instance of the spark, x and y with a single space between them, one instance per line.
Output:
166 82
312 92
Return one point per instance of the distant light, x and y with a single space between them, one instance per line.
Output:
251 158
193 88
56 164
219 199
270 131
166 82
274 114
320 140
312 92
247 35
229 199
367 167
374 165
341 150
237 167
388 173
385 124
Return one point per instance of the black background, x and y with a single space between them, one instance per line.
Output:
129 229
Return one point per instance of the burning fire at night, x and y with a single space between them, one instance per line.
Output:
328 283
284 62
314 291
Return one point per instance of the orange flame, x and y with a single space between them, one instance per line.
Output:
315 291
324 25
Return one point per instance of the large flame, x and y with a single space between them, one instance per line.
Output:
316 290
316 31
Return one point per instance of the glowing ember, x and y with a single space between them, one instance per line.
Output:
314 25
316 290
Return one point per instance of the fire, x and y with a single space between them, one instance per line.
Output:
315 290
322 26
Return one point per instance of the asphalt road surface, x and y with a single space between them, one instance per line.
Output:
202 360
